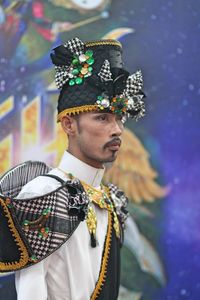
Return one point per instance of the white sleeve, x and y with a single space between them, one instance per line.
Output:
31 283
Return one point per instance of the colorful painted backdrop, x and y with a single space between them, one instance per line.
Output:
160 259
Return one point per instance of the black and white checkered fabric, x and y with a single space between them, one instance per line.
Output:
61 223
62 75
76 46
134 84
105 72
120 202
12 182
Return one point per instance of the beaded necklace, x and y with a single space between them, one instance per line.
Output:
102 199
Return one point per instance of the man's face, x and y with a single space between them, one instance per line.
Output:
98 137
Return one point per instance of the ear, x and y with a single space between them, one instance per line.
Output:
68 125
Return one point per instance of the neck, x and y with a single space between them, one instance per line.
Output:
80 169
86 160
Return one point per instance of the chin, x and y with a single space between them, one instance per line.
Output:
111 159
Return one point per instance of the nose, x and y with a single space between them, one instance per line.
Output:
117 127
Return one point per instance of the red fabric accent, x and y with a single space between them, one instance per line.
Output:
45 33
38 9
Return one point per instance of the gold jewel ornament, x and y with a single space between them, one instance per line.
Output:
91 221
101 198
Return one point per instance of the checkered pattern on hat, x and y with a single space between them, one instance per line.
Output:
134 83
75 45
62 75
105 72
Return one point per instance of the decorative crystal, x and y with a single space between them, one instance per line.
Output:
88 74
82 58
72 82
47 229
84 71
75 61
26 222
78 80
75 71
33 257
90 61
89 53
105 103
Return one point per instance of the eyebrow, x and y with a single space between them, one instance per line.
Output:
100 112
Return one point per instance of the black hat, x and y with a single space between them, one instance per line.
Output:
91 77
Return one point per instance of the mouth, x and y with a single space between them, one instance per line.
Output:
114 145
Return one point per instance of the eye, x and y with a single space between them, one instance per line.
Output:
102 117
120 119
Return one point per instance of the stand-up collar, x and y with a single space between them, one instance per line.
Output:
81 170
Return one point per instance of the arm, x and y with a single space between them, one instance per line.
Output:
31 284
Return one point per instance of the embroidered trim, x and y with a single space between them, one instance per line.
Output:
24 257
103 42
104 264
76 110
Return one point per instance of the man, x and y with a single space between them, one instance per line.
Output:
70 225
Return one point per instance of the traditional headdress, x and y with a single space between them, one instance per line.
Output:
91 77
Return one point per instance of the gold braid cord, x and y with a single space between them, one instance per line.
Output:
104 262
76 110
103 42
24 257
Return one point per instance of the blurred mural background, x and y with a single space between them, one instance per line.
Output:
158 166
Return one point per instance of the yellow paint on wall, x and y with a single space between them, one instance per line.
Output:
6 106
6 154
59 144
30 123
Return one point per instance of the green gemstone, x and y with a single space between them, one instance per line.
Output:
47 229
75 71
90 69
87 75
75 61
89 53
100 97
90 61
26 222
33 257
78 80
46 211
72 82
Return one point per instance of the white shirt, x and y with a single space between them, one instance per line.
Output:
71 272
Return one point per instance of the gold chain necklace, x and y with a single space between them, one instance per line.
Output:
102 199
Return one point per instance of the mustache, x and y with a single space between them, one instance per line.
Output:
115 140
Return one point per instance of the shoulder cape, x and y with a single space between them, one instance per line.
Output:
32 229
